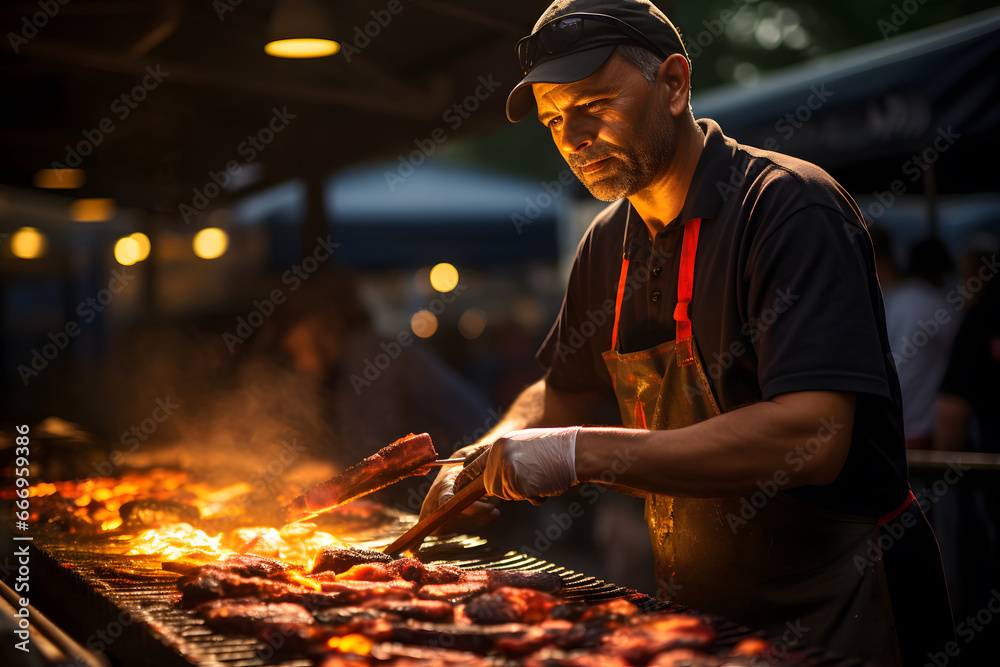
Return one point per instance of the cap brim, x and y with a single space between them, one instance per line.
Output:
564 69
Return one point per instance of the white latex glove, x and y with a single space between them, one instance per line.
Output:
529 464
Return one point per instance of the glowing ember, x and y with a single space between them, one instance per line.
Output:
351 644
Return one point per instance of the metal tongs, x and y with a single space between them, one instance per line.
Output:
300 510
465 496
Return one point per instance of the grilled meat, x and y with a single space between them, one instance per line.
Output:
341 615
415 608
509 605
639 642
404 458
341 559
245 614
494 579
457 592
409 569
427 575
213 581
359 591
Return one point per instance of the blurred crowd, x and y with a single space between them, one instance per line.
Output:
943 320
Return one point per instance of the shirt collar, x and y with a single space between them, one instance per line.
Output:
704 198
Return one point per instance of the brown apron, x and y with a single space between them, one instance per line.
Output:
781 566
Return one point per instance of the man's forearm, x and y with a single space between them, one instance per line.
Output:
793 440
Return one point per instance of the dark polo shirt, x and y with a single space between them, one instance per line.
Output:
785 299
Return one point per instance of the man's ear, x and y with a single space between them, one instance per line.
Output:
674 81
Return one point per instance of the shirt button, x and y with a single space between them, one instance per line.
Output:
656 271
656 296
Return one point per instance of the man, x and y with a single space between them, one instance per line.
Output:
728 302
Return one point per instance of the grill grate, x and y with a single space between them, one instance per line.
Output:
135 604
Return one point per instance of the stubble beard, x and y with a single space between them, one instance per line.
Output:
633 167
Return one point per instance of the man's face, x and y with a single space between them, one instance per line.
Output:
611 128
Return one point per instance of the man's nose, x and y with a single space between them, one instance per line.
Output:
578 134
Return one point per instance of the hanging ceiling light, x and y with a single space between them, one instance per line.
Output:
300 29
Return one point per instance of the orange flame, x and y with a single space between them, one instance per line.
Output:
97 501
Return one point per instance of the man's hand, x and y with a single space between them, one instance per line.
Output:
538 405
443 488
528 464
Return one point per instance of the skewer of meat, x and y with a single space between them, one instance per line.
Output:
409 456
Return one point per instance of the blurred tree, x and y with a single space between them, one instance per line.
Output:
740 40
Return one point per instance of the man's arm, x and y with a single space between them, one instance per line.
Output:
804 436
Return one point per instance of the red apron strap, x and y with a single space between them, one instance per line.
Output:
899 510
618 303
685 288
685 278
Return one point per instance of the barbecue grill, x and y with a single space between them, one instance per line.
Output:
128 605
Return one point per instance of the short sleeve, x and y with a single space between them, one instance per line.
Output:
814 311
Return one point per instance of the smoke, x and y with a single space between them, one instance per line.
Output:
181 399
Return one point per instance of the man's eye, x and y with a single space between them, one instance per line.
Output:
555 122
593 104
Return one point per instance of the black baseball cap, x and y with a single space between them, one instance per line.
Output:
573 38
